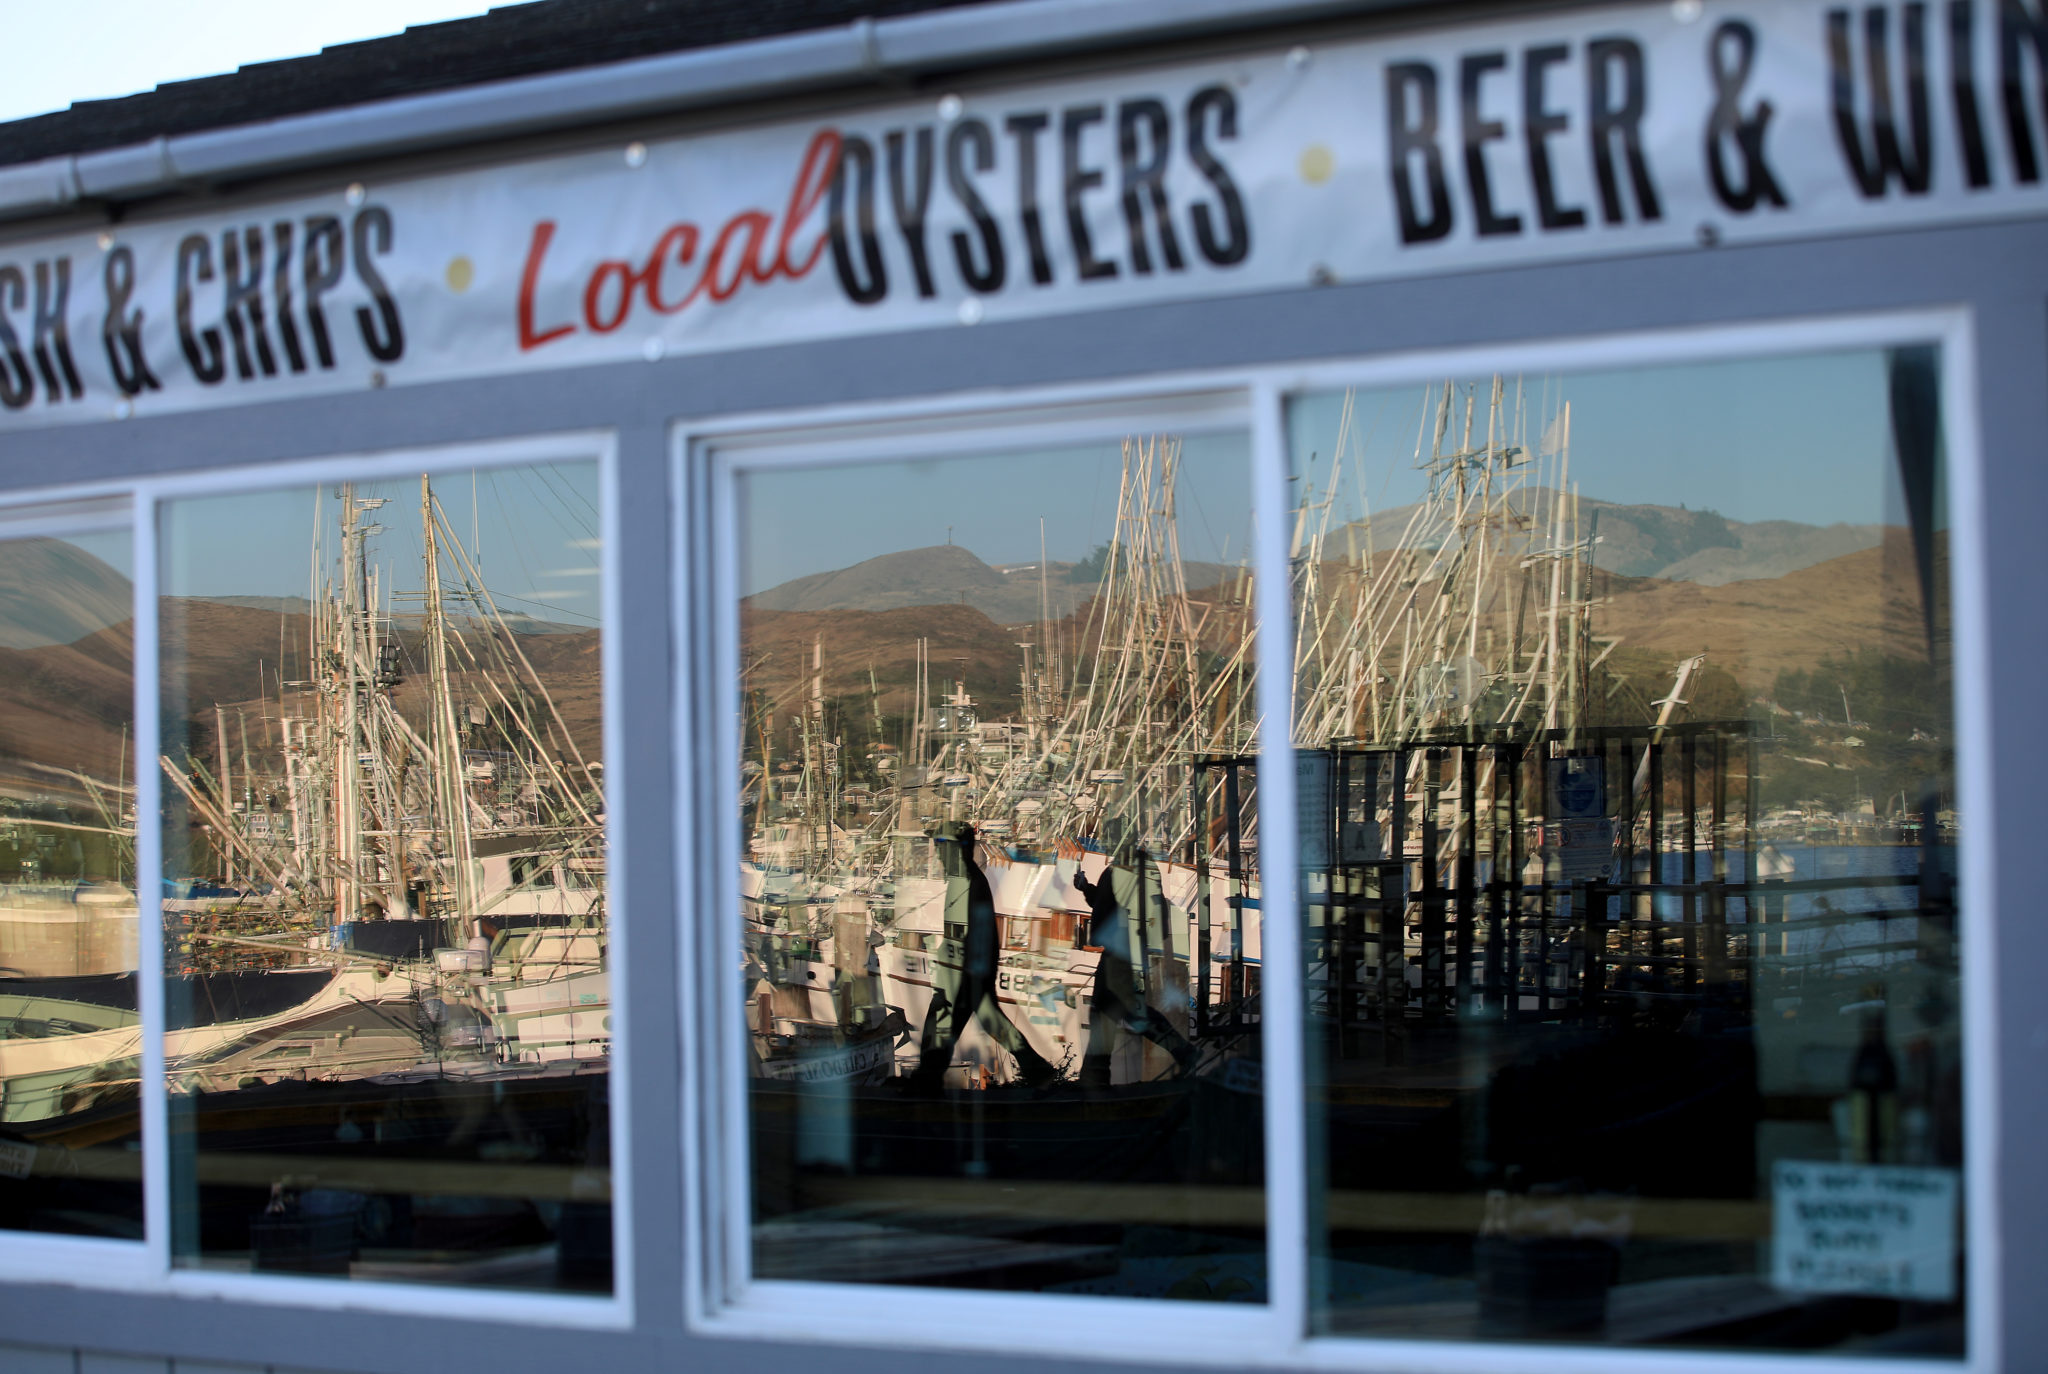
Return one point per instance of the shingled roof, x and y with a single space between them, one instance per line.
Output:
516 40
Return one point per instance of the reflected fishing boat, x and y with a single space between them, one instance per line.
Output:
983 835
427 825
1009 942
394 886
1003 950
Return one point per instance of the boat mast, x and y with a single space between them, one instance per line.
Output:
447 740
224 788
347 771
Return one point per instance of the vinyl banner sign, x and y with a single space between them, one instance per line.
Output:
1617 130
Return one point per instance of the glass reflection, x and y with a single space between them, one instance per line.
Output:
1628 828
384 911
70 1037
1001 876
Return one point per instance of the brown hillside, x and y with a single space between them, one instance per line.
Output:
230 654
946 574
72 705
936 575
1668 542
1758 627
963 642
569 664
215 649
53 592
68 706
1750 629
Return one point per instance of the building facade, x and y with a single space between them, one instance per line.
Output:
1313 684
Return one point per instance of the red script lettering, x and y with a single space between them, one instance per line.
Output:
747 247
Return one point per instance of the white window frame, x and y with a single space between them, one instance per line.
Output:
147 1266
721 1300
721 1297
96 508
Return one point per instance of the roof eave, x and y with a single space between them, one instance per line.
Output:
864 52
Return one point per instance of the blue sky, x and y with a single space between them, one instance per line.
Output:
808 520
1801 438
115 548
118 47
533 531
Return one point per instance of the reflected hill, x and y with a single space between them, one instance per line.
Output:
1830 603
53 592
230 652
944 574
1759 627
870 655
67 643
68 706
1672 543
962 642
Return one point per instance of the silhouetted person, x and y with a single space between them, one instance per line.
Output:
1116 1004
973 996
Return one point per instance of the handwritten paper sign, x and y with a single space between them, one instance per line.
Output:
1874 1229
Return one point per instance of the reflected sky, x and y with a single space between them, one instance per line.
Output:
533 531
828 518
115 548
1789 438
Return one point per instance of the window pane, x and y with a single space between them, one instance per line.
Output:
384 905
1001 964
70 1039
1629 824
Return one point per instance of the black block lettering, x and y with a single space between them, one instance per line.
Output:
1737 163
1144 180
1873 168
1025 129
320 266
1962 79
17 383
1538 123
245 297
1411 130
386 344
976 134
1076 181
1610 114
857 160
1478 132
2017 24
121 329
1235 243
281 288
912 198
51 340
202 348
